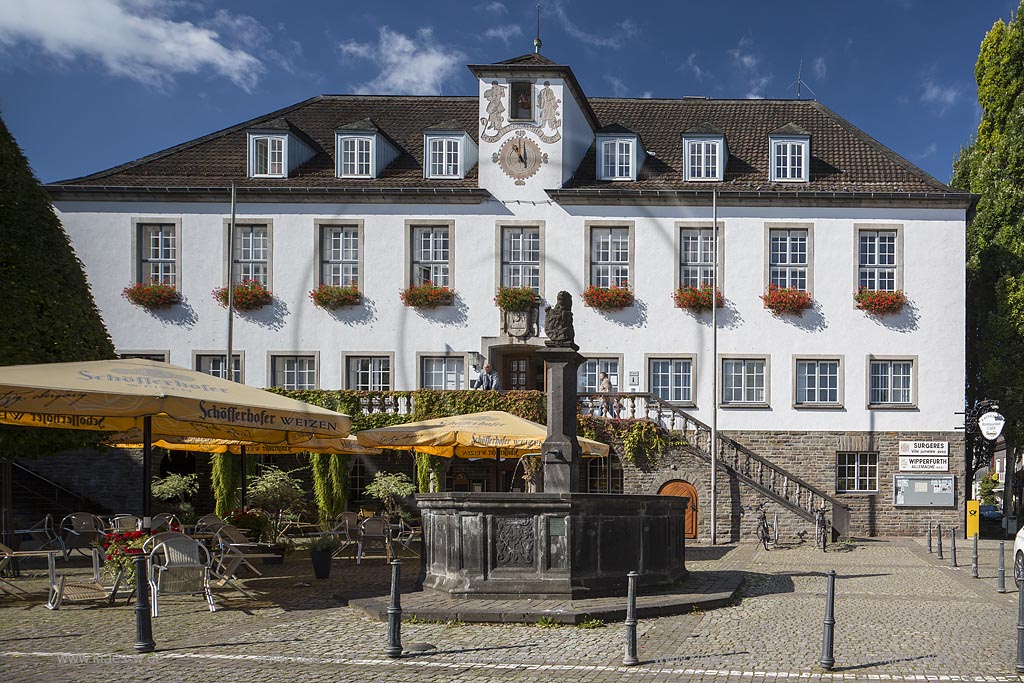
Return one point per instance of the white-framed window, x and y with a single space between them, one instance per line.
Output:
588 375
293 372
891 382
252 253
856 472
744 381
339 255
789 160
877 260
696 257
788 258
671 379
213 364
430 255
369 373
609 257
617 159
817 382
442 372
520 257
355 157
702 159
444 155
267 154
158 253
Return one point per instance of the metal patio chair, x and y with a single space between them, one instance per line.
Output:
81 531
373 532
180 566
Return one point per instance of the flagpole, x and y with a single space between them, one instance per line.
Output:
714 364
228 365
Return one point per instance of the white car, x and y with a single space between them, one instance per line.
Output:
1018 557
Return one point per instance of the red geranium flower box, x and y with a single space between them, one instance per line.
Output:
698 298
608 298
782 300
248 295
335 296
879 302
427 295
152 295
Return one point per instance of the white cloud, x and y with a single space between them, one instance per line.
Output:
492 8
415 65
504 33
130 38
942 97
820 68
748 64
619 88
699 73
929 151
625 30
647 95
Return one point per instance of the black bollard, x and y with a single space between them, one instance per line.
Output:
1020 632
938 535
929 536
630 658
828 660
1001 582
974 559
143 617
952 547
394 647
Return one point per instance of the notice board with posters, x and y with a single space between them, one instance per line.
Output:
924 490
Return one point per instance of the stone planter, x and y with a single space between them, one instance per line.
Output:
321 563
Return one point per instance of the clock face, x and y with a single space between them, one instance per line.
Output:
520 158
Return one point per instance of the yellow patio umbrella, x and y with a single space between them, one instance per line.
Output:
346 446
158 398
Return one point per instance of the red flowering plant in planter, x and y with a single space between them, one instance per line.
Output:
515 298
248 295
427 295
698 298
151 295
879 302
781 300
120 550
335 296
608 298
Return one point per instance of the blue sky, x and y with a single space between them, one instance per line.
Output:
89 84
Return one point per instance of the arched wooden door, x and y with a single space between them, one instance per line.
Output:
684 488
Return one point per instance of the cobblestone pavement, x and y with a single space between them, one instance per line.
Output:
901 615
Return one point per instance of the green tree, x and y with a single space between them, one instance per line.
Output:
47 309
992 166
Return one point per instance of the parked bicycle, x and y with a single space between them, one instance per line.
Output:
763 533
820 528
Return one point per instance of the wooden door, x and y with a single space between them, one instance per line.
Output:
684 488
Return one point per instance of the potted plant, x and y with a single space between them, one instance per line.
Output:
321 548
253 520
331 297
388 489
427 295
120 550
698 299
515 299
877 302
152 295
608 298
783 300
276 491
248 295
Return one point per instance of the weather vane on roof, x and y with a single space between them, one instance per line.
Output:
536 40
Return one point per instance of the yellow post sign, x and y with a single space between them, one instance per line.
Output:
973 518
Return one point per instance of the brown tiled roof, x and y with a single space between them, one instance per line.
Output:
843 158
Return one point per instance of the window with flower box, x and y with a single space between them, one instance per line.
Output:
745 381
696 257
368 373
293 371
520 257
214 364
252 253
818 382
891 382
431 255
609 256
671 379
789 258
856 472
157 260
878 260
340 254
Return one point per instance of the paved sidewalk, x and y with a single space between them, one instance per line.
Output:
901 616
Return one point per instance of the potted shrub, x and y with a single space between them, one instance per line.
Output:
389 489
120 550
277 492
427 295
608 298
331 297
878 302
152 295
516 299
178 490
698 298
321 548
252 520
248 295
783 300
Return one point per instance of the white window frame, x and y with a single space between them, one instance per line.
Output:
870 264
436 257
884 367
592 367
439 158
210 358
271 141
685 392
611 152
167 258
612 270
781 269
786 171
356 164
864 467
276 357
343 266
453 364
700 148
801 401
247 255
748 397
697 266
521 252
379 370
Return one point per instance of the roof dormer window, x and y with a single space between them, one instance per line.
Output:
362 150
617 159
448 151
445 156
791 154
266 156
355 154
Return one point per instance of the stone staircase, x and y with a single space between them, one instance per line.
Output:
764 476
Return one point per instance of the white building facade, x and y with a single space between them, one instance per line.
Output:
530 183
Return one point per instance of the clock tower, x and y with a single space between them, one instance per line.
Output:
535 126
